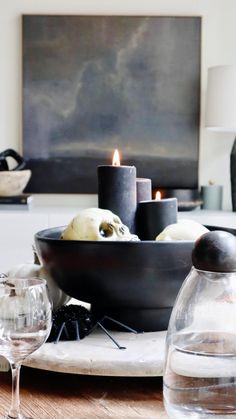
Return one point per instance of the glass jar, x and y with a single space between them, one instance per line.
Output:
200 365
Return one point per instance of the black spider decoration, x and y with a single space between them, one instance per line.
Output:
72 322
75 322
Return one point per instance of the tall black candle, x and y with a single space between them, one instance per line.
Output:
153 216
117 191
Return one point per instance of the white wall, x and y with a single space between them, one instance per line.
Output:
218 47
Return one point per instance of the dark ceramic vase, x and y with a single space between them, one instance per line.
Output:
233 175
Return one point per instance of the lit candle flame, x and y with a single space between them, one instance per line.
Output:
158 196
116 158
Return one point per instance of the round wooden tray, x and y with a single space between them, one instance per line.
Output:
98 355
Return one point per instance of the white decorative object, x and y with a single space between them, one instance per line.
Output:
97 355
97 224
31 270
182 230
13 182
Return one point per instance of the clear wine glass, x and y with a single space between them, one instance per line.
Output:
25 323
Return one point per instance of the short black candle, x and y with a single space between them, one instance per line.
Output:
117 192
144 189
153 216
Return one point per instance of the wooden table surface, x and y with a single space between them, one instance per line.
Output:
50 395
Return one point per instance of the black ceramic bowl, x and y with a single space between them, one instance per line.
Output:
133 282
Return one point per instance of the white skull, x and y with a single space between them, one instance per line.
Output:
97 224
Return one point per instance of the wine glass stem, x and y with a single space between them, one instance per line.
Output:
15 401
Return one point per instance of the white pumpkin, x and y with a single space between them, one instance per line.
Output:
32 270
182 230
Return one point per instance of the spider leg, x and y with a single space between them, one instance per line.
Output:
99 324
109 335
119 323
59 333
76 324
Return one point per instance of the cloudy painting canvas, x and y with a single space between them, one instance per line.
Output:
95 83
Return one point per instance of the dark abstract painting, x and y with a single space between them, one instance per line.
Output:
95 83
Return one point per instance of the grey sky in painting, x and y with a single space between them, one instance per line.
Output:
95 83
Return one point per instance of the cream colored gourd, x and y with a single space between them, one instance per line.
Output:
182 230
32 270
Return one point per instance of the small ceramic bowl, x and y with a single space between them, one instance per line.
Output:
13 182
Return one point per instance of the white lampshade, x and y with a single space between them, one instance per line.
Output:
221 98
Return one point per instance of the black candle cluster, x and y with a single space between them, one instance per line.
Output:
129 197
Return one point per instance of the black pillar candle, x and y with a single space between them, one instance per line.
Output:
153 216
117 192
144 189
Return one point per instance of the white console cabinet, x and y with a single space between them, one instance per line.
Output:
19 224
17 233
16 238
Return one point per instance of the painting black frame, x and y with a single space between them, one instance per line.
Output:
77 174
